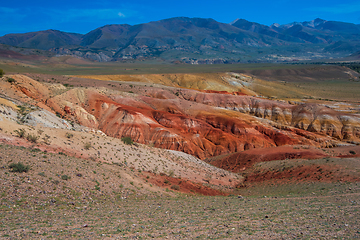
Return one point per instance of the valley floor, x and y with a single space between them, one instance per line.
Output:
316 211
281 159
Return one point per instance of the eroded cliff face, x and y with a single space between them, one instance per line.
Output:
203 124
310 117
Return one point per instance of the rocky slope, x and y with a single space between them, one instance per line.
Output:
203 124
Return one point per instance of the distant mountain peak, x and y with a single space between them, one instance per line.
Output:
314 23
233 22
204 39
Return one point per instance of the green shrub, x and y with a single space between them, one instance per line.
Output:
19 167
127 140
20 132
69 135
87 145
171 173
10 80
56 182
32 138
65 177
352 152
1 73
175 187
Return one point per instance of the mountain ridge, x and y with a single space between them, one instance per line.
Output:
191 39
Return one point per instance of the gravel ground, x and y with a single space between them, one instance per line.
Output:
325 212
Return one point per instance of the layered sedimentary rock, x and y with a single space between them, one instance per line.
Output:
241 161
203 124
309 117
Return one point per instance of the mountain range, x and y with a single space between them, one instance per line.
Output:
199 40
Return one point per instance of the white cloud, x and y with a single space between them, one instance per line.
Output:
120 14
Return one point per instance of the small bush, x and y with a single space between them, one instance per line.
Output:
20 132
10 80
65 177
87 145
69 135
127 140
171 173
19 167
32 138
1 73
56 182
166 181
175 187
46 139
352 152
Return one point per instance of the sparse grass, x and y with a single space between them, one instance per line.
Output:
314 216
69 135
23 111
171 173
46 139
32 138
87 145
20 132
175 187
263 212
65 177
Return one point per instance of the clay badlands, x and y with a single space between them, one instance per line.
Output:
222 119
96 145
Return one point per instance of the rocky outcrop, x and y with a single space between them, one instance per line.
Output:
200 130
241 161
310 117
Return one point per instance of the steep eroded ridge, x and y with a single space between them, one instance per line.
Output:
308 116
203 124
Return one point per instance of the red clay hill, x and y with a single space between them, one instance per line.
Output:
203 124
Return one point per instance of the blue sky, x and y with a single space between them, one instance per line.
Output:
83 16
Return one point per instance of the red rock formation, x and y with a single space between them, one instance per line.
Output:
198 123
309 117
240 161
